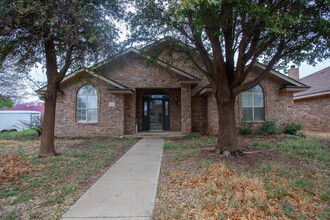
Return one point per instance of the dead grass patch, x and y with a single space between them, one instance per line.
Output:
44 188
286 179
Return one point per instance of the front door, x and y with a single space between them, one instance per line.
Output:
156 114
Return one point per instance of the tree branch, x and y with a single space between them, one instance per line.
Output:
264 73
67 63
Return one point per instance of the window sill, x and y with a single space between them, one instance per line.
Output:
250 122
86 123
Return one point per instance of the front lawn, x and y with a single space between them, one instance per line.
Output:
285 177
44 188
17 133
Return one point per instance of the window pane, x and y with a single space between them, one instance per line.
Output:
145 109
247 114
166 108
92 101
81 115
246 99
255 89
87 90
82 101
259 114
258 100
92 115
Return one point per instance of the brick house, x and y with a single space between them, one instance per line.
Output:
124 95
312 107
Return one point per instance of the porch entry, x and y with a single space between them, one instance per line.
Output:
156 111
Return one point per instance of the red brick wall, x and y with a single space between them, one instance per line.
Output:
199 114
110 119
314 113
134 72
186 109
278 104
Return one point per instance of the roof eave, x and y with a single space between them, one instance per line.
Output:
294 89
121 91
311 95
204 91
189 81
284 77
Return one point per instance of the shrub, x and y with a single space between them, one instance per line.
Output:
293 128
269 127
245 128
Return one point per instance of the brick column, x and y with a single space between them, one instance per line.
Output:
186 109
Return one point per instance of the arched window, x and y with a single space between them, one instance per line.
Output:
87 104
253 104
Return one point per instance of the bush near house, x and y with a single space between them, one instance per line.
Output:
293 128
269 127
245 128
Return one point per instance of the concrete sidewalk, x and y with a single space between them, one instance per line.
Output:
127 190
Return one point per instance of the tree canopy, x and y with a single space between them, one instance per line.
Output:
224 39
60 34
82 31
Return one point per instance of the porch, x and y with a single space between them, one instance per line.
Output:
156 134
155 111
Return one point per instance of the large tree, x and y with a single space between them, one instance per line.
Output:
225 38
12 84
61 34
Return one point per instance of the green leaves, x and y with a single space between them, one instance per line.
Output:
5 102
86 26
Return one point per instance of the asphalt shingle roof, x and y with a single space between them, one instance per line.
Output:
318 81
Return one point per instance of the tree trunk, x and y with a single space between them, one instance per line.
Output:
227 134
47 147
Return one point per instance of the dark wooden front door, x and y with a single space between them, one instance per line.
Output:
156 111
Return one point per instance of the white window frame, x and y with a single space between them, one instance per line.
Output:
77 106
252 103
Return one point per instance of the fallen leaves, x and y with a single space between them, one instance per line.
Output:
223 194
12 166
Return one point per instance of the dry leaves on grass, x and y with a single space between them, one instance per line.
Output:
224 193
12 166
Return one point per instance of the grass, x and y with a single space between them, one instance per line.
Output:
305 150
51 185
288 179
180 155
17 133
171 145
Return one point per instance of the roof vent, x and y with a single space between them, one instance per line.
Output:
293 66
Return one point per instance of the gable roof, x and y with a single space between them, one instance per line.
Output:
292 85
118 86
292 82
284 77
319 83
158 61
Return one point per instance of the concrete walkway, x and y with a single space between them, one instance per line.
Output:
127 190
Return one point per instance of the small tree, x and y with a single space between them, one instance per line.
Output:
224 39
35 123
60 34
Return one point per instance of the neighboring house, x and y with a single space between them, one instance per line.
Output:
313 106
124 95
